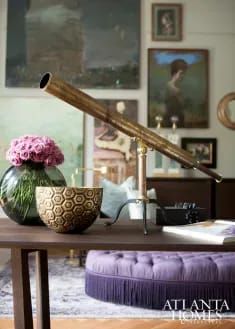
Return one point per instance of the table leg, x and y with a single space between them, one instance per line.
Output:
21 289
43 307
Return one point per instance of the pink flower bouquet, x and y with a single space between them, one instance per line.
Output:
34 161
36 149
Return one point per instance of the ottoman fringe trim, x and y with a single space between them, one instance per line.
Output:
153 294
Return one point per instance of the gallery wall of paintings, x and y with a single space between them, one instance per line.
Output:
148 60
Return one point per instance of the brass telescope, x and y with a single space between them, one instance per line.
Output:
144 137
89 105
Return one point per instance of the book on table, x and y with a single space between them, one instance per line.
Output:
220 231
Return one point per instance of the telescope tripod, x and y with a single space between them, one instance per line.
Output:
142 188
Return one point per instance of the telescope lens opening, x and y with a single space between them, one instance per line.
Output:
45 79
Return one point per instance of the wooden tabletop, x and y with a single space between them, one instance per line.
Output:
126 235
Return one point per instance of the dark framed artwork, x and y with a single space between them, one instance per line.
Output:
178 87
89 43
203 149
113 149
167 22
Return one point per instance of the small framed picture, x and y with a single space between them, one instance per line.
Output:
203 149
166 22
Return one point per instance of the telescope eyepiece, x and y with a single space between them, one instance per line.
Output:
45 80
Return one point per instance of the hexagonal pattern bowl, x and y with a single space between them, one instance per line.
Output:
66 209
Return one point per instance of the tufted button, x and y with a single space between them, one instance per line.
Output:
131 257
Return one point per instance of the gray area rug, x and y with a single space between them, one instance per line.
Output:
67 295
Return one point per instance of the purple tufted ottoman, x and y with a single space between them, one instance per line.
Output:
149 279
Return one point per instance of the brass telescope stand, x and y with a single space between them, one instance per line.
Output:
142 187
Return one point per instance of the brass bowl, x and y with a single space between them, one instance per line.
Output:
66 209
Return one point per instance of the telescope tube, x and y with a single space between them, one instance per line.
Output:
75 97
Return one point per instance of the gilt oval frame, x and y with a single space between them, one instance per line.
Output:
222 110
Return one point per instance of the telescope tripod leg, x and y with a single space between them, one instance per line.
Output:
145 216
154 201
144 205
119 211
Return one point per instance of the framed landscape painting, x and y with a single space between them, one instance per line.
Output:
114 150
178 87
44 117
166 22
89 43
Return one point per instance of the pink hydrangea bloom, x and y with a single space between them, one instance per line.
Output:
34 148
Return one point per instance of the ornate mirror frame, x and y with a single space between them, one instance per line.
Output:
222 110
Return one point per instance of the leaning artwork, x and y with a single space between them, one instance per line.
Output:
178 87
44 117
113 150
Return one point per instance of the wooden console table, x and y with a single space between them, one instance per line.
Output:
23 240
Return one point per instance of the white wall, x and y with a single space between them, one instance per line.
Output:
207 24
